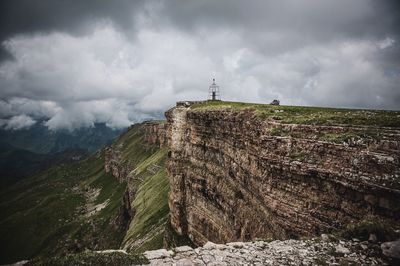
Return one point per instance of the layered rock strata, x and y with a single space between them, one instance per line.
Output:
155 132
234 178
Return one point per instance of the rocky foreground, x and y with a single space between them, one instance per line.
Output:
288 252
326 250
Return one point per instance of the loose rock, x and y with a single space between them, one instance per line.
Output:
391 249
287 252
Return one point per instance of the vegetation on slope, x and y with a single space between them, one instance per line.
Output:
48 214
74 207
384 230
150 204
146 230
133 148
91 258
16 164
310 115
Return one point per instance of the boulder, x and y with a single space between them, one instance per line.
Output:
391 249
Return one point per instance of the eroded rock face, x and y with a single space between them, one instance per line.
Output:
232 178
114 165
154 132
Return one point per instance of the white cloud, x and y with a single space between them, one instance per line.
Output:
110 77
101 78
385 43
17 122
34 108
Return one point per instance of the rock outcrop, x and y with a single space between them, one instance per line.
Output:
236 176
154 133
113 164
391 249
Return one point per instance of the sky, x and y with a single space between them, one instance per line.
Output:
70 64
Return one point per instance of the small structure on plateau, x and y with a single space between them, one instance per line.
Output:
275 102
213 92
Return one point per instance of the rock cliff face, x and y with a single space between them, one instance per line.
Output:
113 164
237 176
154 133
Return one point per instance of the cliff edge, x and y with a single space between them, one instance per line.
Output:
241 171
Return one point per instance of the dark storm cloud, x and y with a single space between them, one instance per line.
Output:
313 18
296 22
258 15
80 62
75 17
20 16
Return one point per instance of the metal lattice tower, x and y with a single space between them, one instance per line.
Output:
213 92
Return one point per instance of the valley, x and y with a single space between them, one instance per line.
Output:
217 172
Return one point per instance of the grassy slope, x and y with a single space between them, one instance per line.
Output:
147 228
16 164
90 258
311 115
150 203
42 215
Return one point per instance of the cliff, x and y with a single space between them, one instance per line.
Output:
239 172
234 172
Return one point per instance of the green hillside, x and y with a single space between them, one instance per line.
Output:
146 231
76 207
149 179
16 164
356 124
48 213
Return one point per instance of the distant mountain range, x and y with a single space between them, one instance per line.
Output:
39 139
28 151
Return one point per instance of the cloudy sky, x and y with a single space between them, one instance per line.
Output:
75 63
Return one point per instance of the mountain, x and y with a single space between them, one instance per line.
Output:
324 181
25 152
116 197
39 139
47 213
16 164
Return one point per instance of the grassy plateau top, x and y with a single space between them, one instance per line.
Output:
309 115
